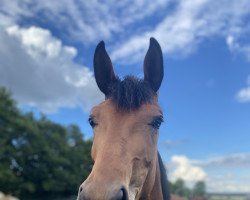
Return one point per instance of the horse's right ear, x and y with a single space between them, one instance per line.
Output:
103 69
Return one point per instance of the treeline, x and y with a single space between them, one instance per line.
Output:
179 188
39 158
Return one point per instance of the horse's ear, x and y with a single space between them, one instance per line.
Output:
153 65
103 69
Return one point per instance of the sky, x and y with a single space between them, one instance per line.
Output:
46 56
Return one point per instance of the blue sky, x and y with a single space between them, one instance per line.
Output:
46 55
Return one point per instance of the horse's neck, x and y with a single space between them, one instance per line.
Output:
157 188
153 184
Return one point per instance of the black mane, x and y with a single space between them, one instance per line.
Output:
164 179
130 93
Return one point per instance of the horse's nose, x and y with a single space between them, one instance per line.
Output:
122 194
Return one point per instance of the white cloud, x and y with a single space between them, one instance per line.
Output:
185 170
232 160
228 173
230 42
181 27
229 183
190 23
85 21
243 95
38 54
236 47
40 71
39 43
38 68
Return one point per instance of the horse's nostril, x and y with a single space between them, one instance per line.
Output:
81 195
119 195
122 195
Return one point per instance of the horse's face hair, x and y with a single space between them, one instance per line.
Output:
125 128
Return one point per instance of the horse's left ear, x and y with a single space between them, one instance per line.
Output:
153 65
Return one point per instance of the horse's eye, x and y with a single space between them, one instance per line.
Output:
156 122
92 122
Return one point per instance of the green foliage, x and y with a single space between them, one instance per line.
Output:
39 157
199 189
179 188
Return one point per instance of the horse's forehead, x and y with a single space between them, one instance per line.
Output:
109 108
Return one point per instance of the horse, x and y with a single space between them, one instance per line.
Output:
126 162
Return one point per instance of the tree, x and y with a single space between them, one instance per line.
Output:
179 188
9 117
199 189
37 156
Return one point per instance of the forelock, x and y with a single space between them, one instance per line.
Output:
131 93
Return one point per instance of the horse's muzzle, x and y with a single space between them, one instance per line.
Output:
84 194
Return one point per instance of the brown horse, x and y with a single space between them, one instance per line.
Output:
127 165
